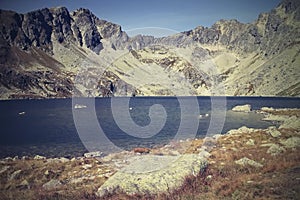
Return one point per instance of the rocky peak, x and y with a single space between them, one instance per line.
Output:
42 27
277 26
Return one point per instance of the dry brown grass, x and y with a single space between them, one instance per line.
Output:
33 171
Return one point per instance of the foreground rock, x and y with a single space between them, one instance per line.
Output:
152 174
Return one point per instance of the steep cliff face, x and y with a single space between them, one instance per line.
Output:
57 53
35 47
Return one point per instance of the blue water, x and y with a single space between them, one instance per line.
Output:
47 126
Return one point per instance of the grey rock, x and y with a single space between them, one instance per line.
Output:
204 154
291 142
242 108
58 160
153 174
64 160
275 149
52 184
273 132
246 161
291 123
242 130
93 154
38 157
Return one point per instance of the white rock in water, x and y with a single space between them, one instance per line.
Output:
267 109
242 108
78 106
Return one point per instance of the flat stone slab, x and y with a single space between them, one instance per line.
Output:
152 174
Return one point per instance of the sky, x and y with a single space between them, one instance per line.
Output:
155 17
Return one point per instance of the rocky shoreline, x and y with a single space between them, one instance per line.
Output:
247 159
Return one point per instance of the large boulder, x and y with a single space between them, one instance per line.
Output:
151 174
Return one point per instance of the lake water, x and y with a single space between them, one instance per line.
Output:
52 128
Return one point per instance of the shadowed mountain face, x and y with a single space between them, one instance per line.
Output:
56 53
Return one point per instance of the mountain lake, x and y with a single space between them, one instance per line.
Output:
72 127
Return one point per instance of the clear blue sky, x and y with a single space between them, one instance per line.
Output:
179 15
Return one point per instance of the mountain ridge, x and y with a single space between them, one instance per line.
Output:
54 53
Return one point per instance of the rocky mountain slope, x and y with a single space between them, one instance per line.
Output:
56 53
